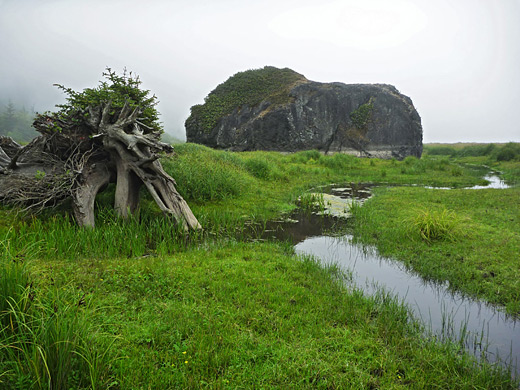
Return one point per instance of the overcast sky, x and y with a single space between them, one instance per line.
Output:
459 60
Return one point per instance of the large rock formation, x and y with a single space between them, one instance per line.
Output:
279 109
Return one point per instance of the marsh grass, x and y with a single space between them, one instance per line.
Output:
511 172
14 281
52 346
339 161
434 225
225 191
240 315
204 174
306 156
145 233
261 167
309 202
45 340
251 315
505 152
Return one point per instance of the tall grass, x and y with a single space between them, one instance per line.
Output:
204 174
224 189
52 345
45 340
14 281
59 236
506 152
306 156
311 202
340 161
436 225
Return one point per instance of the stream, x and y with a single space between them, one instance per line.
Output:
481 329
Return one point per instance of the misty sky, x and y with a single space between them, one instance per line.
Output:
459 60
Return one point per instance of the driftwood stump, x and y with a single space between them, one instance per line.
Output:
76 156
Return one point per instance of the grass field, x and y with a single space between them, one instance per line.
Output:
138 304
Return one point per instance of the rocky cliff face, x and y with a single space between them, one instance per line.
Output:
372 120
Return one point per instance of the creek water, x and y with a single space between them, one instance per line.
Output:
493 180
478 327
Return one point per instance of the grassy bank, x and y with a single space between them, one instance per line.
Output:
138 304
469 238
237 315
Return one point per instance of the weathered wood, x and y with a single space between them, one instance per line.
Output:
128 184
162 188
9 146
5 160
84 195
83 155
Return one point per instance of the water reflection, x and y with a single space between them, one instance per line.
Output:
483 329
494 182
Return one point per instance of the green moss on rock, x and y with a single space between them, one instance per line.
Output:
362 115
244 88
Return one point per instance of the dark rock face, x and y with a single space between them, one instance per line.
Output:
372 120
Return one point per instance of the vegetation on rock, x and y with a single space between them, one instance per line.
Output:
361 116
244 88
355 135
280 110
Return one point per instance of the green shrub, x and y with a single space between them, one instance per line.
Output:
509 152
361 116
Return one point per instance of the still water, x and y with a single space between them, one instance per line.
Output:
449 315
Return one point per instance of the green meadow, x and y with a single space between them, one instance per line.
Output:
140 304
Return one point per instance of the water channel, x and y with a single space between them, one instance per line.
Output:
483 330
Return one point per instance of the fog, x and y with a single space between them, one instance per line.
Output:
457 60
